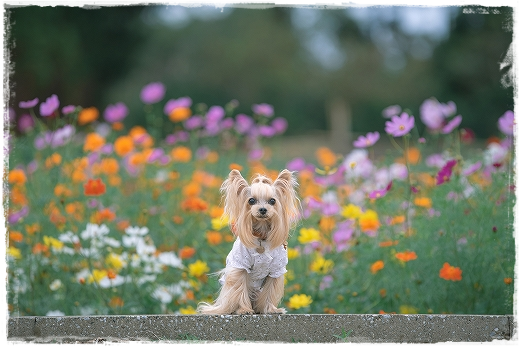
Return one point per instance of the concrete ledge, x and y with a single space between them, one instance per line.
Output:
280 328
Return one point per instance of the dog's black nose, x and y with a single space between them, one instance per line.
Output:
262 210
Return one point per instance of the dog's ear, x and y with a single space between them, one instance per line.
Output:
235 181
233 190
286 184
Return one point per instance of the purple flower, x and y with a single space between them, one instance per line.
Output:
376 194
115 113
256 154
194 122
472 168
49 106
182 136
445 172
448 109
215 114
243 123
279 125
170 139
297 164
366 141
29 104
157 154
343 235
326 282
15 217
266 131
432 114
25 123
227 123
391 111
263 109
172 104
452 124
400 126
68 109
506 123
152 93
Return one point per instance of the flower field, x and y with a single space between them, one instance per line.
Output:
103 218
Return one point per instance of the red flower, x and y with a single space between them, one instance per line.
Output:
94 187
450 273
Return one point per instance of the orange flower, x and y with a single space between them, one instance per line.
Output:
109 166
423 202
382 292
122 225
389 243
123 145
212 157
103 215
191 189
61 190
214 237
450 273
179 114
194 204
508 280
111 274
114 180
377 266
186 252
116 301
94 187
118 126
216 212
15 236
88 115
369 224
17 196
326 158
32 229
177 219
235 166
329 310
93 142
17 176
413 155
406 256
40 248
53 160
326 224
181 154
397 220
137 159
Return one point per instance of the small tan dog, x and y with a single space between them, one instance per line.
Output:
261 216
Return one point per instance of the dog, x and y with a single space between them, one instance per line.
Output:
261 216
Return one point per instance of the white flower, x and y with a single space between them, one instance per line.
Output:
69 237
55 313
170 259
55 285
162 175
82 275
106 282
398 171
163 295
94 231
495 154
111 242
136 231
143 248
146 278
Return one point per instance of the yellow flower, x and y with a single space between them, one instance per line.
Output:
187 310
351 211
423 202
321 265
97 275
406 309
198 268
369 221
114 261
289 276
219 223
52 242
308 235
14 252
299 300
292 253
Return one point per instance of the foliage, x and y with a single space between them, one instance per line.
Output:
108 220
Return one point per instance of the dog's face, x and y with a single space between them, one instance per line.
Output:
262 199
265 206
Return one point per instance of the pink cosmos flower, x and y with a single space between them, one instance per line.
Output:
49 106
506 123
25 123
152 93
367 141
391 111
444 174
452 124
263 109
115 113
472 168
279 125
28 104
243 123
432 114
400 126
68 109
194 122
376 194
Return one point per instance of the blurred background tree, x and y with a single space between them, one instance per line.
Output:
307 62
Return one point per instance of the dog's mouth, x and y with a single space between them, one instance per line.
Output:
261 216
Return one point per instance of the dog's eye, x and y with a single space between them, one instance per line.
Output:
252 201
272 201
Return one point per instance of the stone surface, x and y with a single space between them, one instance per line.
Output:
412 328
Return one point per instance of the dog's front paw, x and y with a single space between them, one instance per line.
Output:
244 311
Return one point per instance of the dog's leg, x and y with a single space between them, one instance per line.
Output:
234 296
270 296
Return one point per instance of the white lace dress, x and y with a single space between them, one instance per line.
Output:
272 262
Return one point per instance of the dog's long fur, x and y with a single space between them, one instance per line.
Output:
249 222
